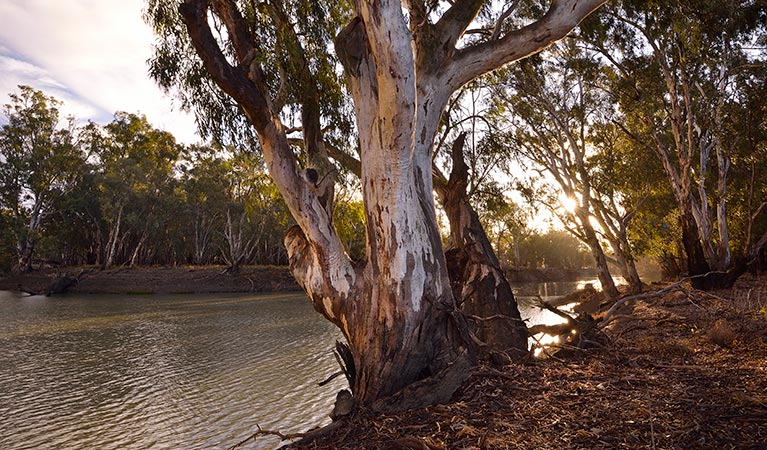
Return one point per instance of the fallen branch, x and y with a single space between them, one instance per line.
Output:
494 317
608 317
543 305
331 378
304 437
262 432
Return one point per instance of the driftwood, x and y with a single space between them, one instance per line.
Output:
304 438
59 285
576 333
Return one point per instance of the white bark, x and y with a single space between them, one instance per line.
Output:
394 312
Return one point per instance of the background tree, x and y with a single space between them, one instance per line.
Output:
554 248
553 107
135 172
674 66
40 162
508 224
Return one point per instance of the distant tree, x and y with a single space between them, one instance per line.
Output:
349 217
249 209
675 70
551 105
203 177
554 248
134 173
39 163
507 223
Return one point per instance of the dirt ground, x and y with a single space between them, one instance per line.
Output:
686 370
157 280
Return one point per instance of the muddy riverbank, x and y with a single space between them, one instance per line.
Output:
156 280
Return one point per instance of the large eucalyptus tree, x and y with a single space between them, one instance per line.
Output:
402 60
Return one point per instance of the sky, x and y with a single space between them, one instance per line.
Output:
90 54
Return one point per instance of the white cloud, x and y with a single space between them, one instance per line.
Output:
14 72
89 52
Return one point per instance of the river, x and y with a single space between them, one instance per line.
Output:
169 372
160 372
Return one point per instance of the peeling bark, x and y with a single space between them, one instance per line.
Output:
408 342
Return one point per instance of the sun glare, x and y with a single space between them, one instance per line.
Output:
568 203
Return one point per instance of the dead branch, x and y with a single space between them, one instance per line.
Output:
262 432
331 378
494 317
543 305
306 437
608 317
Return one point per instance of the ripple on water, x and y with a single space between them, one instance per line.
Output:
160 372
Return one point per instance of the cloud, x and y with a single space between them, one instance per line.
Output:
15 72
91 53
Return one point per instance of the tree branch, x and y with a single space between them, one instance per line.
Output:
471 62
320 242
453 23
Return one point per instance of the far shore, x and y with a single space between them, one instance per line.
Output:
154 280
203 279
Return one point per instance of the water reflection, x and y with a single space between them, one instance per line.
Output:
527 295
160 372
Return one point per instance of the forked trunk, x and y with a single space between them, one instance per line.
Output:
603 271
409 344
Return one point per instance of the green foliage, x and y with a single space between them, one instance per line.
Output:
40 163
281 31
127 193
554 249
349 219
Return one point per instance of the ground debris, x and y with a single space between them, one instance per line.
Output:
665 381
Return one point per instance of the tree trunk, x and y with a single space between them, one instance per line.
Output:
696 258
591 239
480 287
627 267
24 250
408 343
114 238
134 260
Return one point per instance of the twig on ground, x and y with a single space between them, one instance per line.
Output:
262 432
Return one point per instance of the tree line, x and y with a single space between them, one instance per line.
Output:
127 194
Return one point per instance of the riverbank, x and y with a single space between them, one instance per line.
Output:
683 370
156 280
548 274
206 279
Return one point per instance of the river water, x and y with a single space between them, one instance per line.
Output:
170 372
160 372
